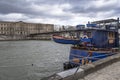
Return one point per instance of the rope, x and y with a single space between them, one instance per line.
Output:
81 57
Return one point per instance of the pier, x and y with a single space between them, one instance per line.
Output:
104 69
111 72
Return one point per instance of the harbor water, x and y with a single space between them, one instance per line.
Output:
31 60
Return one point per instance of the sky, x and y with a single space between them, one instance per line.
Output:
59 12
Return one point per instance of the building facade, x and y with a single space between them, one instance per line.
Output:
20 30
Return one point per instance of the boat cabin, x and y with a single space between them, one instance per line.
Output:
100 38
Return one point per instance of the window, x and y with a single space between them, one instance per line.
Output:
111 35
1 28
89 34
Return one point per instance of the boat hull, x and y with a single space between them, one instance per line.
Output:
65 41
81 57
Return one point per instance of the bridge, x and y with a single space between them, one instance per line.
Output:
47 35
56 32
72 33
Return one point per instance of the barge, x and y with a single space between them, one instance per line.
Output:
98 46
91 45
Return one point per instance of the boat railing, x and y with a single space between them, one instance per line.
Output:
91 57
95 49
81 60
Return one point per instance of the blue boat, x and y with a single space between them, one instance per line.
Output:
98 40
99 44
63 40
81 57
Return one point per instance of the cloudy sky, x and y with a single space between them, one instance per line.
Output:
63 12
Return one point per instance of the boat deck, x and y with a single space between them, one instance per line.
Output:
98 50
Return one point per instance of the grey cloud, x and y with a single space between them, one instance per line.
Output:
24 7
84 8
53 2
117 10
87 8
13 6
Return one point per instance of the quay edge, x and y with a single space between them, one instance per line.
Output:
85 69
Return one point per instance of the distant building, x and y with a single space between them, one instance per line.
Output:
19 30
80 26
71 28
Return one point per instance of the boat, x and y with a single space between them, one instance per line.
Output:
98 40
65 40
100 44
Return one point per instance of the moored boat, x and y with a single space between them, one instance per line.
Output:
100 44
65 40
98 40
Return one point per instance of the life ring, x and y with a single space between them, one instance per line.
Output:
84 40
85 36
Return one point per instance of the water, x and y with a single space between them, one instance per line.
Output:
31 60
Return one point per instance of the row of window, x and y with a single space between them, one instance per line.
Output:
12 33
8 28
23 28
27 25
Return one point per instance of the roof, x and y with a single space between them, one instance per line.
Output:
98 30
105 21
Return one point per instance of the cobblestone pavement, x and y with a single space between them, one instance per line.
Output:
111 72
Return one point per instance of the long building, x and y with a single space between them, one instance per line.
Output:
19 30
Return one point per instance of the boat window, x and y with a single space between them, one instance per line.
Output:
111 35
89 34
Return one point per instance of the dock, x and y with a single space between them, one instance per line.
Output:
104 69
111 72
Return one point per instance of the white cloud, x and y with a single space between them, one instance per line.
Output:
102 3
54 10
45 20
13 17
